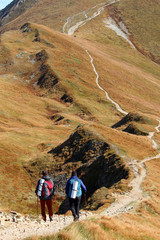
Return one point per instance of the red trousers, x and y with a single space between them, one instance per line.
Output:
49 206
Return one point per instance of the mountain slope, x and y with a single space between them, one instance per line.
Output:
14 10
126 14
60 100
50 13
142 20
29 108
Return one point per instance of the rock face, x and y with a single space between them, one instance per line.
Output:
43 74
128 124
131 128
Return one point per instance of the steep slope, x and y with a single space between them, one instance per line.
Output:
14 10
32 59
50 13
142 21
50 83
125 15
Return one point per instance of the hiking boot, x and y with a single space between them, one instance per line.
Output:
76 219
51 219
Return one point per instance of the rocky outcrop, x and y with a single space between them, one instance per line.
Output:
93 158
131 128
28 28
46 77
67 99
59 119
128 124
130 117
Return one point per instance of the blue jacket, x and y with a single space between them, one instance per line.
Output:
69 188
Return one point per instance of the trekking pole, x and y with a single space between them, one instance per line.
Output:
56 206
65 210
85 201
37 206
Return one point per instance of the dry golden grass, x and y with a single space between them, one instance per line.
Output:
25 111
142 20
133 146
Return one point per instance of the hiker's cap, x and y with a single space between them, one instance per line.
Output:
74 173
44 172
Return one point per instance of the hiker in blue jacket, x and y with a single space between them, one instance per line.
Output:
73 190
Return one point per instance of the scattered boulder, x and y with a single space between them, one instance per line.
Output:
67 99
42 56
37 36
26 28
57 117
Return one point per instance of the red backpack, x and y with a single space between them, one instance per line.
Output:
47 189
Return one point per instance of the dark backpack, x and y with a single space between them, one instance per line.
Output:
47 189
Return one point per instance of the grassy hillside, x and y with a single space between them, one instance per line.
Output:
51 13
28 109
54 116
142 20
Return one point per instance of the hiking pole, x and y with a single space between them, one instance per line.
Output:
85 203
37 206
56 206
65 210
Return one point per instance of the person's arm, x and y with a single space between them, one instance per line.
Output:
67 187
37 186
83 186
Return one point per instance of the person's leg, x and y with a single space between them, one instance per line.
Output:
77 205
43 209
72 206
50 210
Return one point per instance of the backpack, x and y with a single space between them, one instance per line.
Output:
74 188
45 188
39 187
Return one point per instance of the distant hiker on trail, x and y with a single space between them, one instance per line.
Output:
73 190
45 191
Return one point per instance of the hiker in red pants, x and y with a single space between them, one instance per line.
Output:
45 191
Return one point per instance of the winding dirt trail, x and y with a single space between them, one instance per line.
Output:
71 24
126 202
